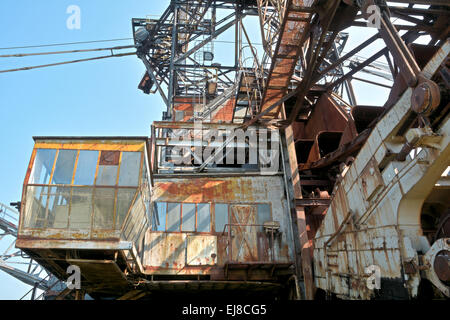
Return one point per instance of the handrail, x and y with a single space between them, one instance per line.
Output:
254 95
36 285
49 288
240 225
9 218
4 209
229 243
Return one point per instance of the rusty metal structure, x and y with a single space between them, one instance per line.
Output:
199 205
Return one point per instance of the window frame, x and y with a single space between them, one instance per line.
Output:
229 204
180 230
212 215
71 186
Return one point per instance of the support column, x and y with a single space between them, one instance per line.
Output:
306 260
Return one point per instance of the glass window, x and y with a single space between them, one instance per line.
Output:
58 207
81 208
107 175
173 216
85 172
203 218
107 169
188 222
221 216
125 199
144 178
129 169
42 167
35 207
65 164
159 216
135 221
104 208
264 214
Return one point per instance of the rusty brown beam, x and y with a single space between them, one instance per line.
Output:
307 80
402 55
306 259
272 92
272 107
343 152
315 182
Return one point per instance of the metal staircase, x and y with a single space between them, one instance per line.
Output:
218 101
20 266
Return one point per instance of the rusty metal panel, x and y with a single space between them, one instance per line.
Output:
60 234
103 274
166 250
241 193
286 54
371 180
73 244
384 231
244 245
201 250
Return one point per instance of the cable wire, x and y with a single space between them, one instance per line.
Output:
64 44
68 62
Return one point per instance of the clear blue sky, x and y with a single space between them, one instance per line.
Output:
91 98
98 98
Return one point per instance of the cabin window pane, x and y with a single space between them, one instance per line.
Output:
129 169
173 216
221 219
85 172
107 175
125 199
134 222
107 169
104 208
58 208
264 213
159 216
65 164
81 208
203 217
35 207
42 167
188 217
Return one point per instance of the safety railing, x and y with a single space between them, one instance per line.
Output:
252 78
9 219
184 147
269 251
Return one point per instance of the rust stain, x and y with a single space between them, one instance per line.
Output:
205 190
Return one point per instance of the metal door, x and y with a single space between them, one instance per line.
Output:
244 246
